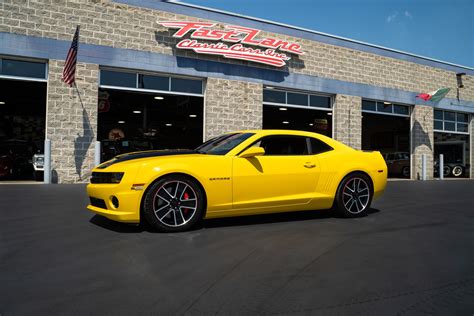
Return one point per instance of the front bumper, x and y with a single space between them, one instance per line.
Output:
128 210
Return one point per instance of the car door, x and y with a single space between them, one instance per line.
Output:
286 175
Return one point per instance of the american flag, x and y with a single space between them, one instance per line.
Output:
69 71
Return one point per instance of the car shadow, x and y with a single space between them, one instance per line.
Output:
225 222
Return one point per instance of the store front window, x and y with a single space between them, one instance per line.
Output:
451 139
297 111
386 128
145 112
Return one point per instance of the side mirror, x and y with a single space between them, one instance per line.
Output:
252 152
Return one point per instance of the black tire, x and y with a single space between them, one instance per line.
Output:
344 200
446 171
406 172
167 210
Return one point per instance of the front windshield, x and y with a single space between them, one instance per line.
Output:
221 145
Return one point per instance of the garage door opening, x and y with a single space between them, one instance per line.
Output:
386 128
22 128
297 111
451 139
147 119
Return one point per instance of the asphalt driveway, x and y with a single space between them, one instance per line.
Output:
413 254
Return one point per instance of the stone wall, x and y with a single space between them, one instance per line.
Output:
348 120
232 105
118 25
422 141
71 125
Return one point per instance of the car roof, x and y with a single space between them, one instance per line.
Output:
265 132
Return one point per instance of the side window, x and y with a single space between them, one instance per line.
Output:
284 145
318 146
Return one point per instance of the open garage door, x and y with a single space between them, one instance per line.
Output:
451 139
297 111
145 111
22 118
386 128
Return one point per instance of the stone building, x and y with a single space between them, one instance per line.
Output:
153 75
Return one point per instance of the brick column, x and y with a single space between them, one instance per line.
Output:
70 125
348 120
422 140
232 105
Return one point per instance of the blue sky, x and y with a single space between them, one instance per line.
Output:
439 29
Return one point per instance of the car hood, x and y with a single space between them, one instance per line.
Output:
146 154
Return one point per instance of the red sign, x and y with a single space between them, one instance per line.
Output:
232 41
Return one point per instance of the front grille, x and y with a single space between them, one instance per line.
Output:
97 202
106 177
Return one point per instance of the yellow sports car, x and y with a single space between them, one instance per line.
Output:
239 173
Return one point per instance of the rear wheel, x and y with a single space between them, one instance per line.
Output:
354 195
458 171
174 204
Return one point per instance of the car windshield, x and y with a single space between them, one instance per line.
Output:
221 145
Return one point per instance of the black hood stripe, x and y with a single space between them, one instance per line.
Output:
145 154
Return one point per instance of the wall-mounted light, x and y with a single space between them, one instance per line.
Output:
286 122
121 122
159 98
329 113
2 102
169 124
459 79
387 103
192 115
311 124
137 112
282 109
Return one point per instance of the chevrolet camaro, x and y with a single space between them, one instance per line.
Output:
239 173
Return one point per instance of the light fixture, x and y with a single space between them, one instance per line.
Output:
311 124
286 122
282 109
269 88
121 122
137 112
159 98
459 79
169 124
329 113
387 103
192 115
2 102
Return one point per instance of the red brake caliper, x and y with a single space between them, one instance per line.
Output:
185 197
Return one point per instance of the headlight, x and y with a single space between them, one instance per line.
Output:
106 177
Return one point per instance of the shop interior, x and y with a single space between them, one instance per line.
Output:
135 121
22 127
391 136
286 117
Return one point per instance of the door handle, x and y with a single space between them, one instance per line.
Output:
309 165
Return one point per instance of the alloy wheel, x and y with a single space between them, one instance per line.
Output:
356 195
175 203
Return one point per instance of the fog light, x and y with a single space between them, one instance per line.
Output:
115 201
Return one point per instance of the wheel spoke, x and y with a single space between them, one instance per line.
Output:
182 192
357 205
181 213
348 194
176 190
164 189
161 208
363 189
174 215
161 218
161 197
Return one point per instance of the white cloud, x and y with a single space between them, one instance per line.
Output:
392 17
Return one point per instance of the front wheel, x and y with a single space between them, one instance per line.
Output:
353 196
174 204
